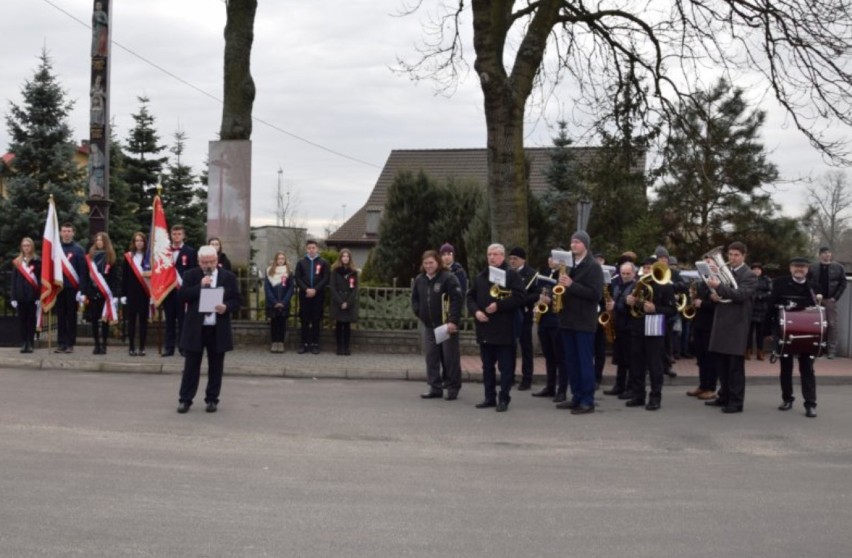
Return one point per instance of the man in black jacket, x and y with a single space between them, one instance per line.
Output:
184 258
207 331
794 292
518 261
829 278
436 299
496 327
312 276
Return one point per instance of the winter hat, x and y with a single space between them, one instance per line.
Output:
583 237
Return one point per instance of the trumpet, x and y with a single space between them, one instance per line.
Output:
499 294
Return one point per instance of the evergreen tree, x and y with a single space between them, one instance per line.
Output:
122 214
714 171
41 141
559 202
143 164
455 205
181 200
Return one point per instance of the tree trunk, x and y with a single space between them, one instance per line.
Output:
239 85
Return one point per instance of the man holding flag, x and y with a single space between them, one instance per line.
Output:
74 280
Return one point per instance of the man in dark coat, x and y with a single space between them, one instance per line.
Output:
208 331
496 319
829 278
795 292
75 281
578 322
518 262
620 311
184 258
730 329
312 277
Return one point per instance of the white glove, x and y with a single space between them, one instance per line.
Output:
15 304
123 301
80 298
114 300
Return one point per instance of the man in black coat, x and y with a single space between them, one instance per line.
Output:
795 292
518 261
496 322
209 332
184 258
75 281
312 277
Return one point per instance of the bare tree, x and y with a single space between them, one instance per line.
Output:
239 85
831 198
800 47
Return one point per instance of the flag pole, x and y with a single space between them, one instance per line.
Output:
150 249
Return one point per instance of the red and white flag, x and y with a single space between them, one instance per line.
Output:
163 272
51 260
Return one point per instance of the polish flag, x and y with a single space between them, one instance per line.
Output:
163 272
51 260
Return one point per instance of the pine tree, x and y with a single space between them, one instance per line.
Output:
558 203
143 164
181 199
43 162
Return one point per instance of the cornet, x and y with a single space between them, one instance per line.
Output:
499 294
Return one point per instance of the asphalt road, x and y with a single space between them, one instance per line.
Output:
101 465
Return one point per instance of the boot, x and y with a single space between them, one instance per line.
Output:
96 334
748 354
759 354
346 336
338 339
104 337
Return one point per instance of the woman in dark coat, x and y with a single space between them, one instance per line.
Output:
224 262
26 289
759 311
102 309
278 287
344 299
136 291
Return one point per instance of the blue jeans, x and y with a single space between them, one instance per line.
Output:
503 357
580 362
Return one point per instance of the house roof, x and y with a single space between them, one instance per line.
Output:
441 164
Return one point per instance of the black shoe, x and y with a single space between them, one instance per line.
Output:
732 409
559 398
715 403
614 391
635 403
132 352
785 406
183 407
168 353
302 349
431 394
810 412
59 349
626 395
315 349
182 352
567 404
652 406
502 407
141 352
24 348
670 373
451 395
211 407
543 393
583 409
485 403
524 385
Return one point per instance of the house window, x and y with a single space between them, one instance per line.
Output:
373 218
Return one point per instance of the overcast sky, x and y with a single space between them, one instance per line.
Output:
322 72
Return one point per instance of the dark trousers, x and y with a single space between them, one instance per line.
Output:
600 353
526 346
806 373
731 379
100 333
443 361
685 334
756 333
27 316
708 373
133 316
579 347
174 319
623 358
66 318
310 312
551 346
648 356
278 328
342 334
192 369
502 357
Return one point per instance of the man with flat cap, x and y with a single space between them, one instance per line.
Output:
795 292
829 279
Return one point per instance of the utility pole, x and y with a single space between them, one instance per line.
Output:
280 198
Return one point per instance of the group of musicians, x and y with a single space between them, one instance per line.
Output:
580 306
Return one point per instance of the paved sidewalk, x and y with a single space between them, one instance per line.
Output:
256 361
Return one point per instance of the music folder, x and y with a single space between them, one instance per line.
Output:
209 299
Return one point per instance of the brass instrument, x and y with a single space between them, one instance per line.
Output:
558 291
499 294
605 317
724 273
643 291
445 307
688 311
540 310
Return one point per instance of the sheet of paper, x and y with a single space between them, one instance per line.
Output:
562 257
442 333
497 275
209 299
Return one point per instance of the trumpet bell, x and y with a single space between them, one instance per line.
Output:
496 292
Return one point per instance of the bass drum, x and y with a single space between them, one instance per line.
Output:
802 332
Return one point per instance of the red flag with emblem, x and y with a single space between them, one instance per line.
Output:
163 272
